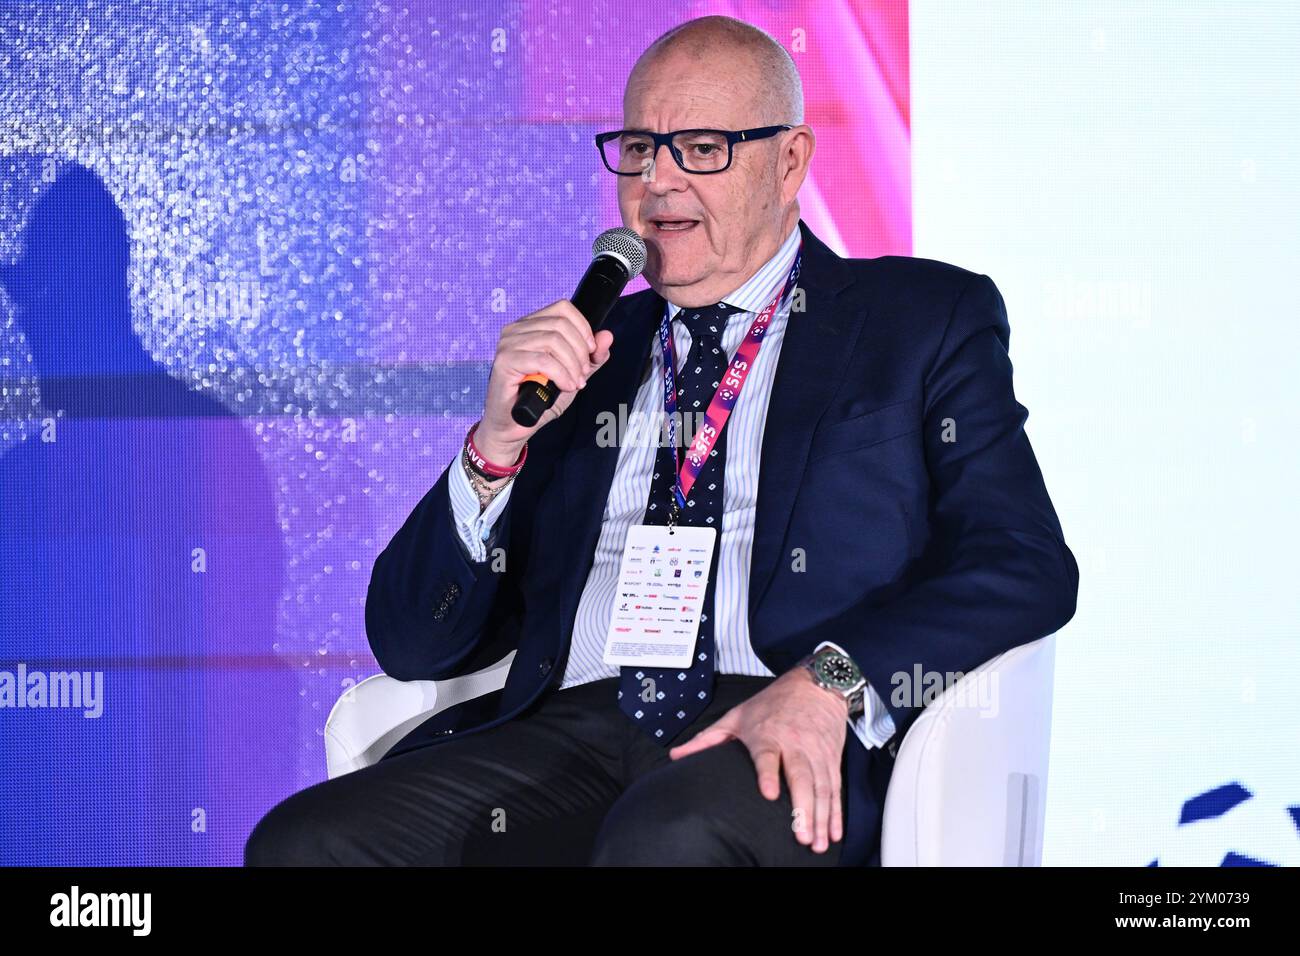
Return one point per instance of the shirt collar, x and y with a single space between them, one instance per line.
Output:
764 284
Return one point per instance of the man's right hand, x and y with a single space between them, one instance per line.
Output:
556 341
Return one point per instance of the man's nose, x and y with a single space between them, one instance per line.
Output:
666 176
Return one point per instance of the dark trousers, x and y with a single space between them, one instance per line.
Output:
571 781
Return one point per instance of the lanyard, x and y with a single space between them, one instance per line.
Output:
724 398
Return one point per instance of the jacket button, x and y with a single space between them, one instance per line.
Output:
545 667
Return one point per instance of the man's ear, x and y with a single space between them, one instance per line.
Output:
796 159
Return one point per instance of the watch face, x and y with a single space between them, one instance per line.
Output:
837 670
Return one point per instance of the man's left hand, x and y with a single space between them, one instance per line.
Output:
795 723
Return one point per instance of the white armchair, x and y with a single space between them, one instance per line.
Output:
969 779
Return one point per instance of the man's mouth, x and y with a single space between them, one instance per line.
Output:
666 225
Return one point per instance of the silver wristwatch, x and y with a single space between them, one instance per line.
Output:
837 672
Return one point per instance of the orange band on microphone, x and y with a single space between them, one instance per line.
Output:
537 377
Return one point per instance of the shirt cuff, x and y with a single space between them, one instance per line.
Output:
873 726
474 529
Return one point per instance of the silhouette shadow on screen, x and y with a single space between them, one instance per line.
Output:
138 541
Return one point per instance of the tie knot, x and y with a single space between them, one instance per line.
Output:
707 320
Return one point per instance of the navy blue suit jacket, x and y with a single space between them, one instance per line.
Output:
916 549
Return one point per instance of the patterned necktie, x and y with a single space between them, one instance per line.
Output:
665 701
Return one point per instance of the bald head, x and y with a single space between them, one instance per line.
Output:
734 45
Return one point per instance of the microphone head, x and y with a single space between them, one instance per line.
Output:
623 244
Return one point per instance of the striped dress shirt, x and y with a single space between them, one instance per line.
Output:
630 490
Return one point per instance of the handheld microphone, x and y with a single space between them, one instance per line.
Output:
619 256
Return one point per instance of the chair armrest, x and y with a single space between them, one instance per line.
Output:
969 782
370 717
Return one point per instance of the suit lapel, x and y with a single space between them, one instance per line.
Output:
814 355
587 471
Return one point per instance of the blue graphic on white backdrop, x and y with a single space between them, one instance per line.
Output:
1232 826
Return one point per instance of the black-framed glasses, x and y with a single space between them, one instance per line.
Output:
632 152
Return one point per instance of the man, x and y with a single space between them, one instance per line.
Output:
900 520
